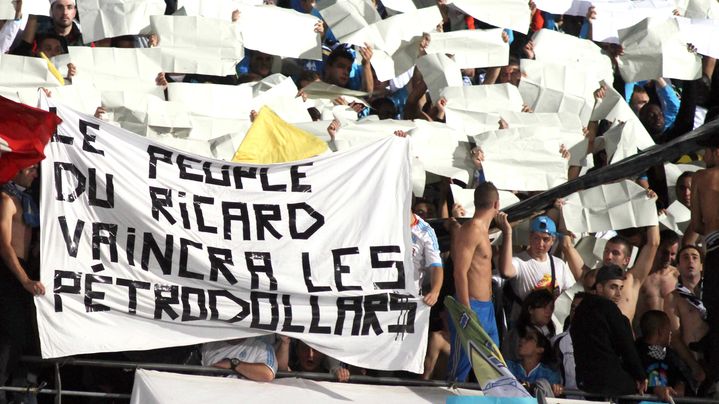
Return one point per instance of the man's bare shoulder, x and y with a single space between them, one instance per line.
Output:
7 202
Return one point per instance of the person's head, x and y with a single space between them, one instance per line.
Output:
668 247
537 309
542 232
307 5
533 345
424 209
309 359
610 282
510 73
683 188
711 156
260 63
384 108
26 176
125 41
656 328
578 297
652 118
486 198
338 66
307 77
617 251
63 12
639 99
690 262
50 44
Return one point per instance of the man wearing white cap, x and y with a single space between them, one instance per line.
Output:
61 23
534 268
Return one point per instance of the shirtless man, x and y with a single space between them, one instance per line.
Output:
663 277
472 256
18 214
686 311
618 251
705 221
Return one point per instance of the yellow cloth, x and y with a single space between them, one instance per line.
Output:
272 140
53 69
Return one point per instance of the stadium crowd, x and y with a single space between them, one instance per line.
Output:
642 322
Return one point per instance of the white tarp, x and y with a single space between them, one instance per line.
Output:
153 387
110 18
523 159
512 14
655 48
144 246
198 45
298 39
613 206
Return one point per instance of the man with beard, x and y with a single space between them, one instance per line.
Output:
61 23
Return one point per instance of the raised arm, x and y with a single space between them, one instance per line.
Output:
506 268
645 259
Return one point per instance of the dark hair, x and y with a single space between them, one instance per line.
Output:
652 321
535 299
625 244
340 52
530 332
692 247
378 103
685 174
668 237
115 42
608 273
485 195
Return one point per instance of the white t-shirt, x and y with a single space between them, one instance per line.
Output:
533 274
250 350
425 252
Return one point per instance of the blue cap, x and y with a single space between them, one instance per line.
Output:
543 224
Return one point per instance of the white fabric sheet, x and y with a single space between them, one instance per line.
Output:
613 206
110 18
654 48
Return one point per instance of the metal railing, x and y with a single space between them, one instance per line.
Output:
59 392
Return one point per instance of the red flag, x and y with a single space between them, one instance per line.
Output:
24 132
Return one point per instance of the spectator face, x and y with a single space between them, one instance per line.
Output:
652 118
540 243
310 359
26 176
541 316
667 254
510 74
63 12
528 347
307 5
684 191
638 101
612 290
261 64
51 47
339 72
615 254
424 210
690 263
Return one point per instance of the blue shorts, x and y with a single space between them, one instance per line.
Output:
459 365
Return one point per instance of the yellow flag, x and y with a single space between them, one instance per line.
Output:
53 69
272 140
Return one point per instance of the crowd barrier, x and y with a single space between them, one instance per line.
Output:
59 392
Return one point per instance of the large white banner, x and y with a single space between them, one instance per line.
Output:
153 387
145 246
